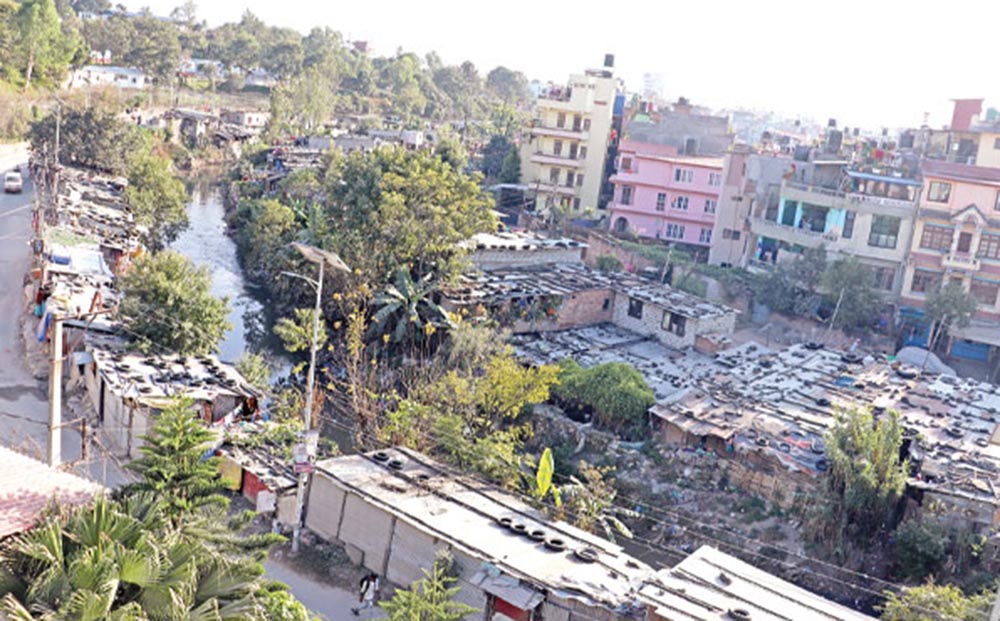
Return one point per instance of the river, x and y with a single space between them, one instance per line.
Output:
205 242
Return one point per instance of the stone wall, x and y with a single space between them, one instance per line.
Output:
602 244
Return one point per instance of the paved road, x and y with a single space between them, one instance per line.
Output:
328 602
24 399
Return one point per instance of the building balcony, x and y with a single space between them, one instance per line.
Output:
960 261
567 133
836 199
556 160
791 234
880 201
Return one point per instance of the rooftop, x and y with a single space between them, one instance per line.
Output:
464 513
960 172
519 241
27 487
567 278
711 585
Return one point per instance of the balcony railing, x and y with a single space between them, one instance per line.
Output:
882 201
556 160
571 133
850 197
816 189
791 234
960 261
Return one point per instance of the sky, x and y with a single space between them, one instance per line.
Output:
867 63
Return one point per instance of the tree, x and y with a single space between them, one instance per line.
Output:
406 312
155 47
449 148
392 207
865 481
255 370
431 598
791 287
91 138
494 154
921 547
264 229
615 393
172 464
934 602
42 48
948 306
167 304
157 198
510 171
510 86
852 284
591 503
297 333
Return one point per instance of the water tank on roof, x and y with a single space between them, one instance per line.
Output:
609 60
831 123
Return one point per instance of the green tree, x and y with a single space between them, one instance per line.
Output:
296 333
264 230
792 286
167 304
255 370
865 481
493 156
948 306
42 48
406 312
449 148
431 598
392 207
91 138
155 47
157 198
172 464
510 171
852 283
615 393
921 547
935 602
510 86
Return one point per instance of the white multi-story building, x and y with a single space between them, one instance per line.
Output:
564 157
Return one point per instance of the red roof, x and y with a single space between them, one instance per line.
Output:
960 172
27 487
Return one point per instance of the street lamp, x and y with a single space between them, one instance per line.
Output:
323 258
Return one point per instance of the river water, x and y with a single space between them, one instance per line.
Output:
205 242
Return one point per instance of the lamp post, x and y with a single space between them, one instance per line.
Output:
323 258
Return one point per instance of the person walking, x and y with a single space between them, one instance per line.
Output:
368 592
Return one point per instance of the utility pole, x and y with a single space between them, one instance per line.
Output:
836 310
55 394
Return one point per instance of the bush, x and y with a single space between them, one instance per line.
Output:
615 392
921 547
609 263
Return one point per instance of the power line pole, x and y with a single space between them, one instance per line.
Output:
55 394
300 493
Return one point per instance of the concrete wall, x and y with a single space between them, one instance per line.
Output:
369 529
325 507
654 318
494 259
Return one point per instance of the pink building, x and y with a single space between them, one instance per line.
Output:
662 195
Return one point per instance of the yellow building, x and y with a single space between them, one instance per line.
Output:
563 157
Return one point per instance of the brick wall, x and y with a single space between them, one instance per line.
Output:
599 245
578 310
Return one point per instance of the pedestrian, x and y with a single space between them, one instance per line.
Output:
368 592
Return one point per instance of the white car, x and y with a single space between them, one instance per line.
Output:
13 183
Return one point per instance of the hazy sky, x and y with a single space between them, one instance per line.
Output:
864 62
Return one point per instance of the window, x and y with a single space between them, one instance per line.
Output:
583 153
674 323
576 204
715 179
924 281
939 192
727 233
561 120
661 201
635 308
681 202
577 120
705 236
996 143
989 247
607 304
683 175
554 175
626 198
586 125
711 205
936 237
884 233
848 224
572 150
996 203
557 148
570 178
736 234
985 291
883 277
674 231
626 163
579 180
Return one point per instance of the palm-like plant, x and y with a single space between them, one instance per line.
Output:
591 502
407 312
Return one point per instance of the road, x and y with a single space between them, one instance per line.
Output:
24 400
328 602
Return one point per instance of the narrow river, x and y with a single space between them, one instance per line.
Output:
205 242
